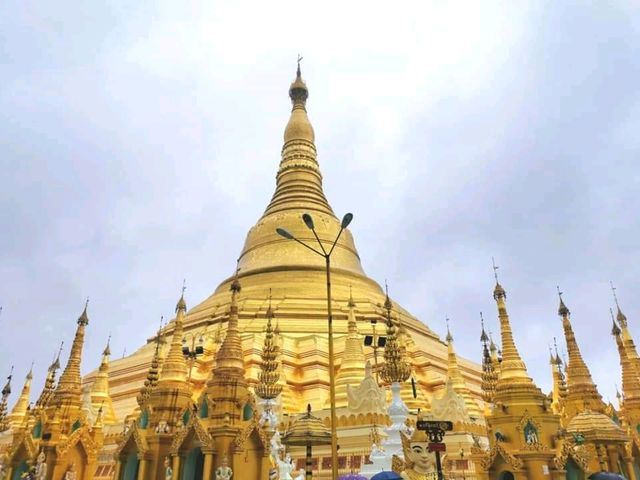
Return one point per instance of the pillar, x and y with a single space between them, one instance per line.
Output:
629 470
559 475
176 467
535 469
142 469
207 469
613 457
309 463
116 473
9 472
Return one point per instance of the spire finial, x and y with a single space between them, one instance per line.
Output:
563 311
613 290
182 305
84 318
615 330
498 291
387 302
555 346
495 269
449 336
107 349
298 74
483 336
351 303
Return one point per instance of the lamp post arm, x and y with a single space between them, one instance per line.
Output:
310 248
335 242
315 234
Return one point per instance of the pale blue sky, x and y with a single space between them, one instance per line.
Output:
139 142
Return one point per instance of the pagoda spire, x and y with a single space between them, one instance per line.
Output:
489 372
100 396
299 181
174 368
50 382
69 389
559 392
396 369
627 339
630 381
19 410
230 359
4 401
582 393
513 370
457 380
268 387
352 368
154 372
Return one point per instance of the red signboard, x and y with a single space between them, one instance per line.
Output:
437 447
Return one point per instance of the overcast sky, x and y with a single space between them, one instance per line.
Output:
139 142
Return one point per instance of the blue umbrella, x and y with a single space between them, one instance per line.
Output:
352 476
392 476
606 476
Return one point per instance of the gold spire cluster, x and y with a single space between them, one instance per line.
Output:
50 382
457 380
630 381
100 396
352 368
69 389
229 359
268 387
581 391
4 402
153 374
559 392
19 411
489 369
395 369
174 368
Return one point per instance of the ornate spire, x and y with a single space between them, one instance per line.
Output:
489 369
559 392
582 392
627 339
230 359
395 369
299 181
630 381
6 391
352 368
154 371
622 319
50 382
22 405
174 368
100 396
457 380
69 389
512 369
268 387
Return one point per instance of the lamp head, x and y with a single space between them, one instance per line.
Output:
346 220
284 233
308 221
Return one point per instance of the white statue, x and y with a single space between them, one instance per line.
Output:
168 471
71 473
276 447
301 475
285 467
224 472
41 466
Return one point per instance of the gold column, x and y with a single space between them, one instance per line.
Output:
142 469
208 466
116 473
558 474
176 467
612 455
535 468
630 471
9 472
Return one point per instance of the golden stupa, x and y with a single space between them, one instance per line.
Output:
281 273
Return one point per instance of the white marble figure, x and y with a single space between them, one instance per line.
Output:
224 472
285 467
276 447
382 457
71 473
168 471
301 475
41 466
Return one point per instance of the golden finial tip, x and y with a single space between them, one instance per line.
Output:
563 311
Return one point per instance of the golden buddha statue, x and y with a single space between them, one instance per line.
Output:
419 462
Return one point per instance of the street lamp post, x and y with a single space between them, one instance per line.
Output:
308 221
